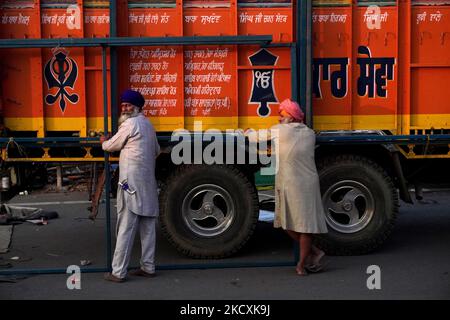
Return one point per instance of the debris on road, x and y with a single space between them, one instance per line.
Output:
85 262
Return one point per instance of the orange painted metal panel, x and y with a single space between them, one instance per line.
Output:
332 53
260 21
430 75
430 34
210 72
64 88
429 91
264 81
208 22
157 71
19 86
96 24
357 55
376 94
68 64
210 81
21 80
331 2
90 19
151 22
264 74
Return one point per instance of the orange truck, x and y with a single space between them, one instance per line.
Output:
372 76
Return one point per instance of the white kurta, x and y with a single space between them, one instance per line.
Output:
136 139
139 147
298 203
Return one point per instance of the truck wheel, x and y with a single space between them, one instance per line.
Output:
360 202
208 211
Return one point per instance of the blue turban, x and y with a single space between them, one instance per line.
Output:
132 97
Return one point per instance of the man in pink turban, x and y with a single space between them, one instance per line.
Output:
293 109
298 203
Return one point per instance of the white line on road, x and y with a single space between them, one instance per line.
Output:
85 202
266 196
52 203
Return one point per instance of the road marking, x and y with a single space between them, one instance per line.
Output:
267 196
85 202
52 203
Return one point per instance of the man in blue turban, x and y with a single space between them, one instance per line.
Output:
137 197
132 103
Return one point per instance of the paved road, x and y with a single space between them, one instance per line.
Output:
414 263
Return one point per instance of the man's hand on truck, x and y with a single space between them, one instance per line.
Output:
103 138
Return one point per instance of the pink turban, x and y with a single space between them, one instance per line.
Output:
293 108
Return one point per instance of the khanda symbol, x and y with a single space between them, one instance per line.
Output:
262 89
61 72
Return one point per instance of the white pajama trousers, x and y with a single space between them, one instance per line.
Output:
127 225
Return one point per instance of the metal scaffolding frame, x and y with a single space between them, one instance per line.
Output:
301 83
112 43
105 43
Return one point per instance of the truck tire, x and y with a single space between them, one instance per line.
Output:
208 211
360 202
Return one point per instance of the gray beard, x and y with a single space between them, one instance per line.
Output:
125 116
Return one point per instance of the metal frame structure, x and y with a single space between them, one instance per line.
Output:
301 57
112 43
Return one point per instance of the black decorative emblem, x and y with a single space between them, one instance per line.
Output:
61 72
262 88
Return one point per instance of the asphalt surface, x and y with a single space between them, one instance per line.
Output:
414 263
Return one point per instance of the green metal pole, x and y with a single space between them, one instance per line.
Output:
190 266
304 56
294 73
107 173
113 66
13 272
300 53
308 65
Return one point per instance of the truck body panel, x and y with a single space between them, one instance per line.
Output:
385 68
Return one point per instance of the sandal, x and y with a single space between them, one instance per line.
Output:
315 268
318 260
